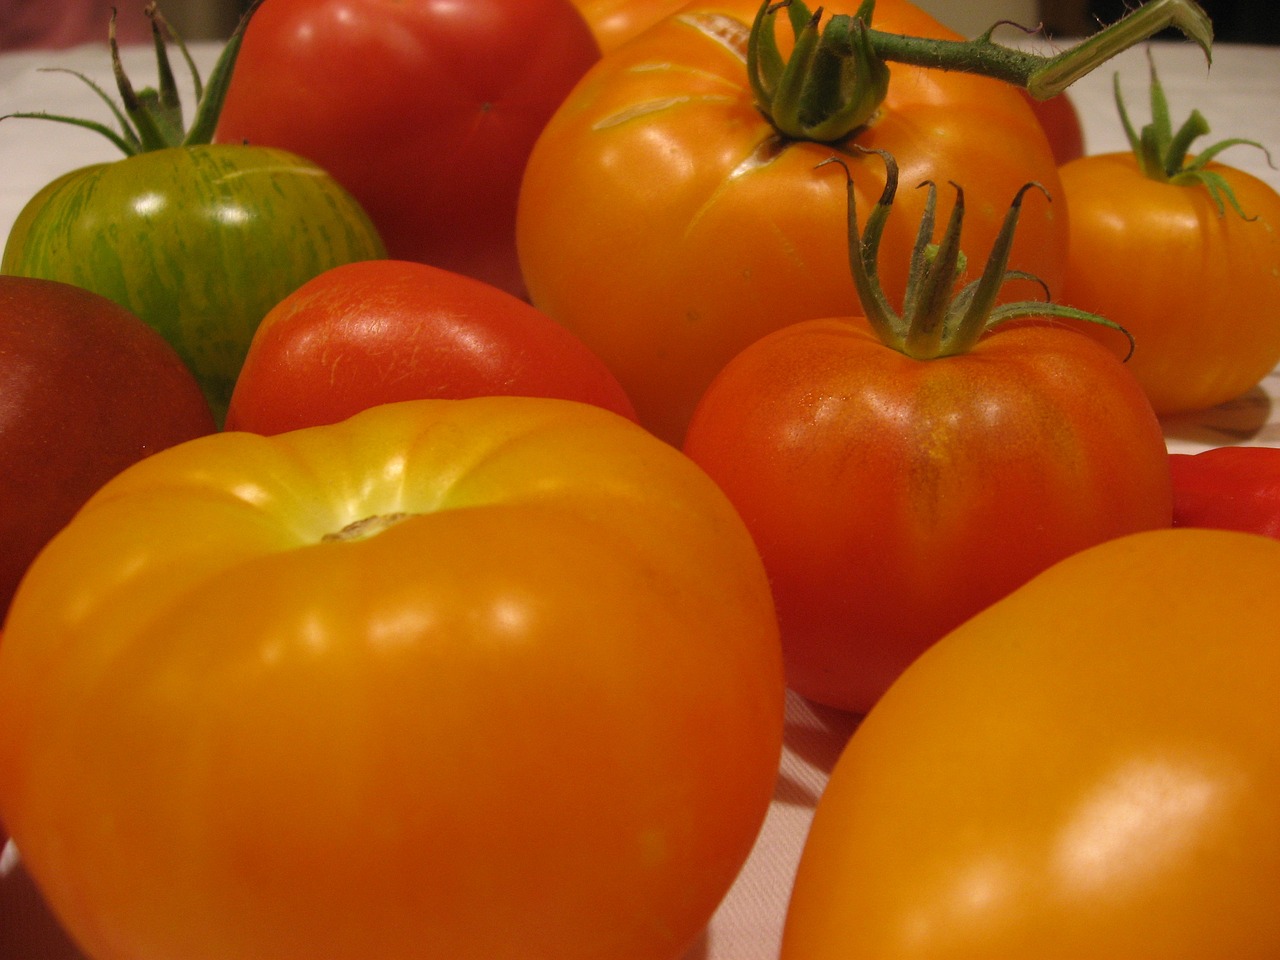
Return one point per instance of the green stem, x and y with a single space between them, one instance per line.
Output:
807 97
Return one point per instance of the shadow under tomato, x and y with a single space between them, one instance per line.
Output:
1242 420
28 931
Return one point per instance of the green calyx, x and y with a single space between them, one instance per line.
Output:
1165 155
837 74
152 118
936 320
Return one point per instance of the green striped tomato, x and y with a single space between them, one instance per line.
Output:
200 241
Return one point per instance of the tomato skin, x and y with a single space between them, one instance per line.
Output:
1089 768
614 22
1061 122
425 110
1228 488
86 389
741 235
539 715
380 331
1196 289
893 498
200 242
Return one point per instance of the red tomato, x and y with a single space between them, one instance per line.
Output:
893 498
385 330
86 389
1228 488
425 110
664 220
1061 124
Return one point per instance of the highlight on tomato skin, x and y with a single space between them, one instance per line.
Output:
476 679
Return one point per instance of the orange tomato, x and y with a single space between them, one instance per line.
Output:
613 22
1088 768
1197 287
490 678
665 222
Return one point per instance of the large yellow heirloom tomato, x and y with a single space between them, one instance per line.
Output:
1088 770
488 678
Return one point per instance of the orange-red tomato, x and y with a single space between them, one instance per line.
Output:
613 22
489 678
1198 288
892 498
663 220
380 331
1088 768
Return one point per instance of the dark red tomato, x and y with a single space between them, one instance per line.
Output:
425 110
386 330
1061 123
86 389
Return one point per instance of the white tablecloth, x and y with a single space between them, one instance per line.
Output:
1240 96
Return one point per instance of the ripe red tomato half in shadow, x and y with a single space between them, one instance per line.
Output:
86 389
380 331
425 110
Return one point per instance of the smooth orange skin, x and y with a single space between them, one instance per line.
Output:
662 221
1198 290
541 716
614 22
1089 768
893 498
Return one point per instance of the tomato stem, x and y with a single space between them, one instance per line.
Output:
152 118
1164 154
838 75
937 321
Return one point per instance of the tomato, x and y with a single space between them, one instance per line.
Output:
86 388
1193 279
893 498
1089 768
487 678
425 110
198 240
1228 488
1061 123
901 471
386 330
1195 286
704 230
613 22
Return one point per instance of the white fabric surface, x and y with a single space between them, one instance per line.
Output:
1240 95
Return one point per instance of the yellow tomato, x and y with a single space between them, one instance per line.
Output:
492 678
1088 770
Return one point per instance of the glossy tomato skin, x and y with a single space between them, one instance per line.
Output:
380 331
425 110
614 22
488 678
893 498
1089 768
1197 289
200 242
704 231
86 389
